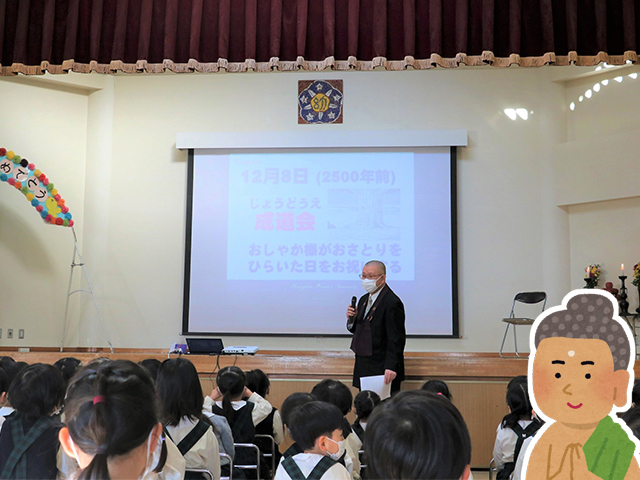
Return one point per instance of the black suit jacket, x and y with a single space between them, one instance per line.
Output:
388 337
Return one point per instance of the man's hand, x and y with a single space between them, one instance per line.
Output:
389 375
351 312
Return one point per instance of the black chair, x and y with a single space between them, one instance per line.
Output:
530 298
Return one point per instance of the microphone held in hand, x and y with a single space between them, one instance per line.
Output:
352 318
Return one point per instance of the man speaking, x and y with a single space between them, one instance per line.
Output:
377 324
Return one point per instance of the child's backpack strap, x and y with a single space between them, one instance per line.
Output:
521 434
192 437
17 459
318 471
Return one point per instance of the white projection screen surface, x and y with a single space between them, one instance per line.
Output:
275 240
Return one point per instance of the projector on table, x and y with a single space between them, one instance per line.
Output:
240 350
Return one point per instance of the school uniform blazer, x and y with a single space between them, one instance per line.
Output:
388 338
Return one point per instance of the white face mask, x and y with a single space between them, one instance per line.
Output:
338 455
370 284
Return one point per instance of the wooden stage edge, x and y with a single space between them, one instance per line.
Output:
297 364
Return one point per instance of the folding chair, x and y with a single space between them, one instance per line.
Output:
194 472
228 457
492 469
530 298
255 466
270 441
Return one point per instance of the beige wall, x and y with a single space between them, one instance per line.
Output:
513 236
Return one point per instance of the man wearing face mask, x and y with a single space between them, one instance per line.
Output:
377 324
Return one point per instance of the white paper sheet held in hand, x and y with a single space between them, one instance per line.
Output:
376 384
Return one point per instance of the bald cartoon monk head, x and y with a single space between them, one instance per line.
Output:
580 374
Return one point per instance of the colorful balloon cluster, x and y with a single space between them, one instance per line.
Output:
35 185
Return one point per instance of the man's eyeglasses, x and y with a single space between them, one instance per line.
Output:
364 277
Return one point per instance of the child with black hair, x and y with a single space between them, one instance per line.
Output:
290 404
438 387
338 394
29 436
258 382
181 400
515 427
152 365
317 428
4 388
417 435
242 408
112 425
364 404
68 367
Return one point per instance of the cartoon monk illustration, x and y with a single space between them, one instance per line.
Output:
580 375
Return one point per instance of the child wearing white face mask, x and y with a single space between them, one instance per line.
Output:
112 425
317 428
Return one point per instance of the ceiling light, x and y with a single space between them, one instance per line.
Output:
633 75
619 79
572 106
596 87
605 82
522 113
511 113
581 98
588 93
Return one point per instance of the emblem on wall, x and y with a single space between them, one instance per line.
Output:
320 101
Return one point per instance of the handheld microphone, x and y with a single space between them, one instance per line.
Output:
352 318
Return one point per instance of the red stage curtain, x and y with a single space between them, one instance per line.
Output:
238 35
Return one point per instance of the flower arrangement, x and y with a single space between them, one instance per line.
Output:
592 274
636 275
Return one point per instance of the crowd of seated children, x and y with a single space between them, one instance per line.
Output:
181 401
4 389
113 427
290 403
416 435
364 403
515 427
258 382
29 436
338 394
317 428
243 410
438 387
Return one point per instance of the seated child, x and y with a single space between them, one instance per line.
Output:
317 429
290 404
438 387
112 425
228 400
514 429
68 367
29 437
364 404
181 399
580 373
416 435
152 365
4 387
337 393
258 382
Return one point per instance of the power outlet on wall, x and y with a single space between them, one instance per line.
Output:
0 333
21 334
9 332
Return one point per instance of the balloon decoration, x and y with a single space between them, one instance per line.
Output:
34 185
